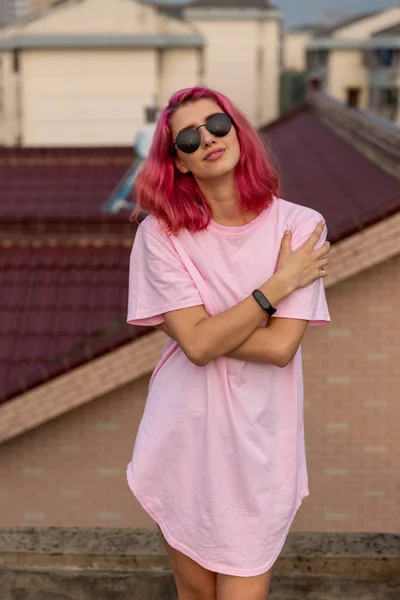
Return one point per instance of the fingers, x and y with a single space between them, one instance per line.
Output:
315 236
323 251
323 262
286 242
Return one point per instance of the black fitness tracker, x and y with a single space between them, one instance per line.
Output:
264 303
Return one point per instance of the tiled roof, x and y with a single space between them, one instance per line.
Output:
320 170
59 183
60 307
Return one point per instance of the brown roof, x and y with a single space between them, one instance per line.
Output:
60 307
63 302
59 183
322 171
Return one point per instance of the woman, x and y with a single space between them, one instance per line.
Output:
219 459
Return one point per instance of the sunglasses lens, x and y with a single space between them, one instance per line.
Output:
188 141
219 124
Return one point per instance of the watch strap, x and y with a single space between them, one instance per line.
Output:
264 302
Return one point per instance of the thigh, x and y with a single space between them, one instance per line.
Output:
240 588
191 579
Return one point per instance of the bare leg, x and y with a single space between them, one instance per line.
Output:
193 582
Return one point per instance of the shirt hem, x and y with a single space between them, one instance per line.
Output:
159 311
223 570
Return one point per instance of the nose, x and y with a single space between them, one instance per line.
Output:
207 138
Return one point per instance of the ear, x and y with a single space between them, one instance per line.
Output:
182 168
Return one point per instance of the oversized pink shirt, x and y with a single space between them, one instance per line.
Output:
219 460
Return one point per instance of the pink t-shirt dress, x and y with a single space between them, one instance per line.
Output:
219 460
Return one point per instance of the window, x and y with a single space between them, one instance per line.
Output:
384 57
316 59
390 97
353 96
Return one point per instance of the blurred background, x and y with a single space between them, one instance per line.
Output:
81 84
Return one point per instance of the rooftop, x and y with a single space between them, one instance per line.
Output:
58 183
342 23
389 31
64 262
64 281
60 307
323 171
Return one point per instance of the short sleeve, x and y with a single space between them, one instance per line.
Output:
307 303
158 281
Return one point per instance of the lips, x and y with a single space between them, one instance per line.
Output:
215 154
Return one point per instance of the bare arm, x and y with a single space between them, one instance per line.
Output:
276 344
204 338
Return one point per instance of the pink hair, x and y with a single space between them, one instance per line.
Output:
174 198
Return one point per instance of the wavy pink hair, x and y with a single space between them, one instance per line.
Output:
175 198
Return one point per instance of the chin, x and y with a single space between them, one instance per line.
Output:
222 168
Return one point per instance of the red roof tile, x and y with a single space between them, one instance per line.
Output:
59 183
60 307
322 171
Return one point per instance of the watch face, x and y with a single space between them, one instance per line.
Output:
264 303
261 299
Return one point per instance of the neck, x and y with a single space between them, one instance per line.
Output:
223 197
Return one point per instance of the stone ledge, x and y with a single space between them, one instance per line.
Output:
52 563
101 585
116 541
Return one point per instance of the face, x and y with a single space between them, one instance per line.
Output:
216 156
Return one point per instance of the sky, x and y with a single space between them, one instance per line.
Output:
304 11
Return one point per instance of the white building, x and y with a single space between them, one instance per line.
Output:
83 72
336 58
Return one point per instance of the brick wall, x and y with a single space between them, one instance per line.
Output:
352 408
71 470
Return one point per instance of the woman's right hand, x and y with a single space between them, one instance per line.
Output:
305 265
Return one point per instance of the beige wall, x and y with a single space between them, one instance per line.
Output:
9 122
233 48
294 50
97 97
346 69
269 99
180 69
86 97
71 471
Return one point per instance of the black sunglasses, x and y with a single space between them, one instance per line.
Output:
189 140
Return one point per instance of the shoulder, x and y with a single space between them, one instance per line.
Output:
150 226
153 236
296 214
